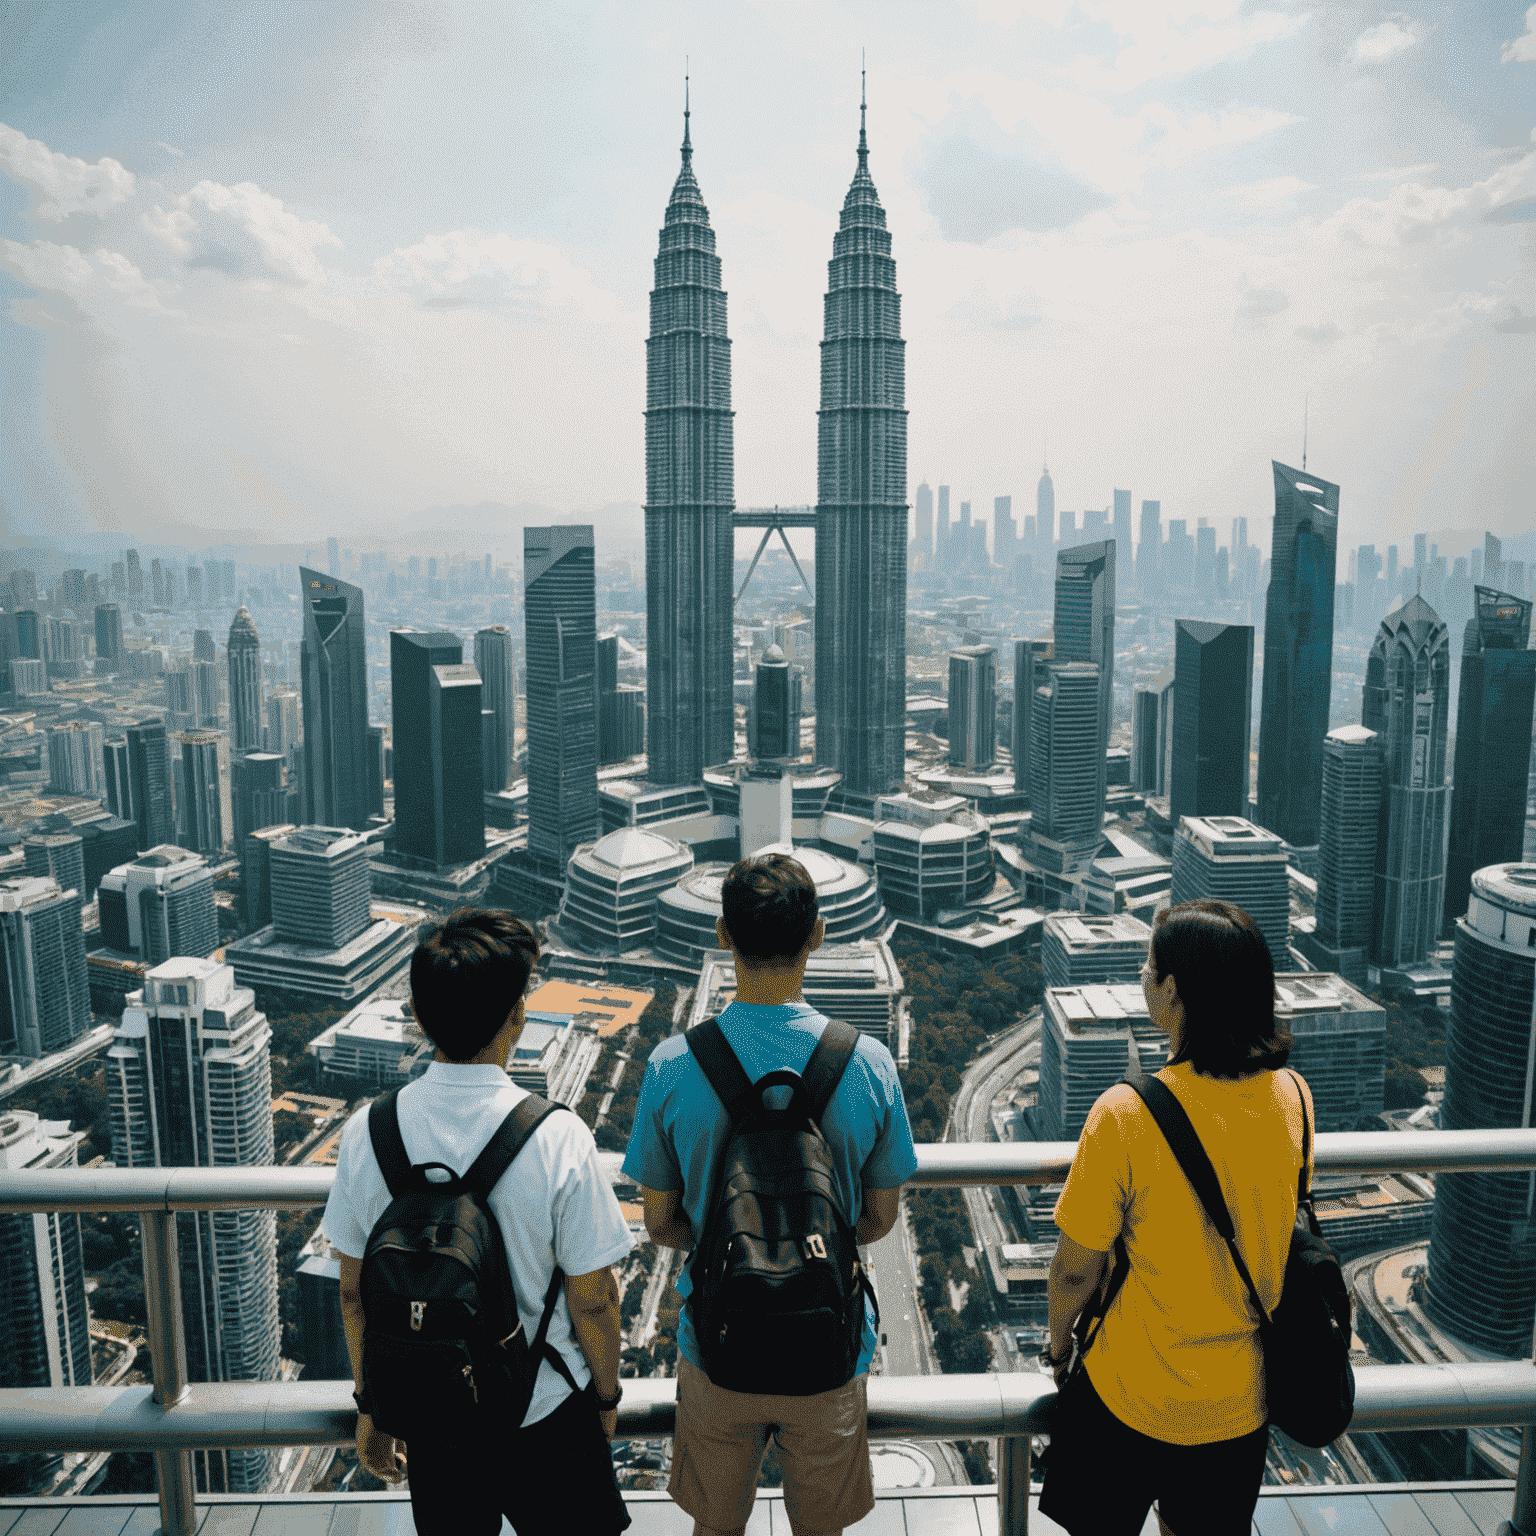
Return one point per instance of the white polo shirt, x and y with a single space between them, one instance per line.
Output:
554 1205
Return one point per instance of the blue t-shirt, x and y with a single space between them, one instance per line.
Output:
681 1127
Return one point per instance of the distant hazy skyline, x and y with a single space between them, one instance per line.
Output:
304 270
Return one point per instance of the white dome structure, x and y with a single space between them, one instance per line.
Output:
611 888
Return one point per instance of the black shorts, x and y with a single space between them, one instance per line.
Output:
1102 1475
551 1479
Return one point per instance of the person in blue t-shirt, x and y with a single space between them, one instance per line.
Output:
770 924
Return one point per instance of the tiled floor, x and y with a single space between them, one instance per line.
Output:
1409 1509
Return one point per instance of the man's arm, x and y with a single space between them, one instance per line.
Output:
666 1223
1075 1275
381 1454
594 1303
881 1207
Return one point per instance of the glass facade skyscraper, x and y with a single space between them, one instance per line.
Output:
493 661
1212 719
1085 627
243 654
973 706
1298 655
334 689
149 775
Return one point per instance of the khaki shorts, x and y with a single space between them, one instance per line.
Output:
721 1436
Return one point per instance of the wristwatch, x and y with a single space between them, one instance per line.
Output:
1055 1362
608 1404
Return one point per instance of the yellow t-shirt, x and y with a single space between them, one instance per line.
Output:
1178 1356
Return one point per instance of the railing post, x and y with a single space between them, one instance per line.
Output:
168 1347
1012 1485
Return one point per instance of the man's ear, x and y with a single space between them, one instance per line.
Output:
818 934
723 934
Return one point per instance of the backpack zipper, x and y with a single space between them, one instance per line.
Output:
469 1376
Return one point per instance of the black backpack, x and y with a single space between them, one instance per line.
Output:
444 1350
778 1289
1309 1382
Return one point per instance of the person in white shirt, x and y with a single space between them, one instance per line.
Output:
554 1472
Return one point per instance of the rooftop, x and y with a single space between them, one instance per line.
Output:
1079 931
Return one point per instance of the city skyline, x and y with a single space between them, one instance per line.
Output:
1112 199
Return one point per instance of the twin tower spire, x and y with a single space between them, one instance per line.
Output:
861 502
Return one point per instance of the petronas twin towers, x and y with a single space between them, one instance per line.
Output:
861 511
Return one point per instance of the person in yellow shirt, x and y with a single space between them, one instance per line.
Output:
1168 1404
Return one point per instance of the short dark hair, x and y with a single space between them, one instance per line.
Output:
466 976
769 905
1226 979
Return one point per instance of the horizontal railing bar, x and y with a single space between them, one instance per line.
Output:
245 1414
945 1164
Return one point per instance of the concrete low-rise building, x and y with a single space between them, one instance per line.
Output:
1079 948
1340 1045
375 1047
924 870
346 974
1091 1036
611 887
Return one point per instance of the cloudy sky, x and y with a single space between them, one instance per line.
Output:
290 268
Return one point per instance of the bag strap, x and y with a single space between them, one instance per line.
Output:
1091 1318
388 1148
720 1067
542 1348
510 1138
1180 1136
824 1071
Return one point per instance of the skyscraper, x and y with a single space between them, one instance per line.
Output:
1407 703
190 1079
258 793
941 555
42 1272
244 655
1029 658
205 818
861 504
776 707
1045 518
1004 534
1122 530
117 777
439 792
1493 713
58 856
319 886
922 541
1481 1285
256 873
159 906
620 711
282 720
690 492
333 659
45 1002
973 706
75 758
1346 862
149 773
1298 655
1085 625
1212 719
560 609
493 661
1144 741
135 576
109 637
1066 766
1230 859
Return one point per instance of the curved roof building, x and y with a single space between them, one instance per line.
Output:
847 896
611 888
926 869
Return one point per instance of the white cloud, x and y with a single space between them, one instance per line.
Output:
1523 49
1395 35
1398 172
170 227
466 269
1256 196
170 149
1167 47
64 269
286 243
65 185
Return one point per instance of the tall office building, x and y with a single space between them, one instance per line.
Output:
1212 719
1121 529
1407 703
560 696
1482 1282
42 1270
333 660
135 575
189 1075
1346 862
45 1003
1085 625
259 793
690 541
1005 536
439 793
319 884
282 720
109 637
376 774
1230 859
203 648
1298 655
775 707
149 775
244 655
75 751
106 842
1029 658
1493 713
493 661
117 778
58 856
861 504
1066 766
1045 518
620 711
256 873
973 706
205 817
922 540
159 906
941 554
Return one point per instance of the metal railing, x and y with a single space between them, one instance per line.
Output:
174 1417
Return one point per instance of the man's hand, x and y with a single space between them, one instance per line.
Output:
610 1422
380 1454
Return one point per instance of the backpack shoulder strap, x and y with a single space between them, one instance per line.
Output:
384 1134
542 1348
824 1071
510 1138
1180 1136
1303 1183
719 1065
